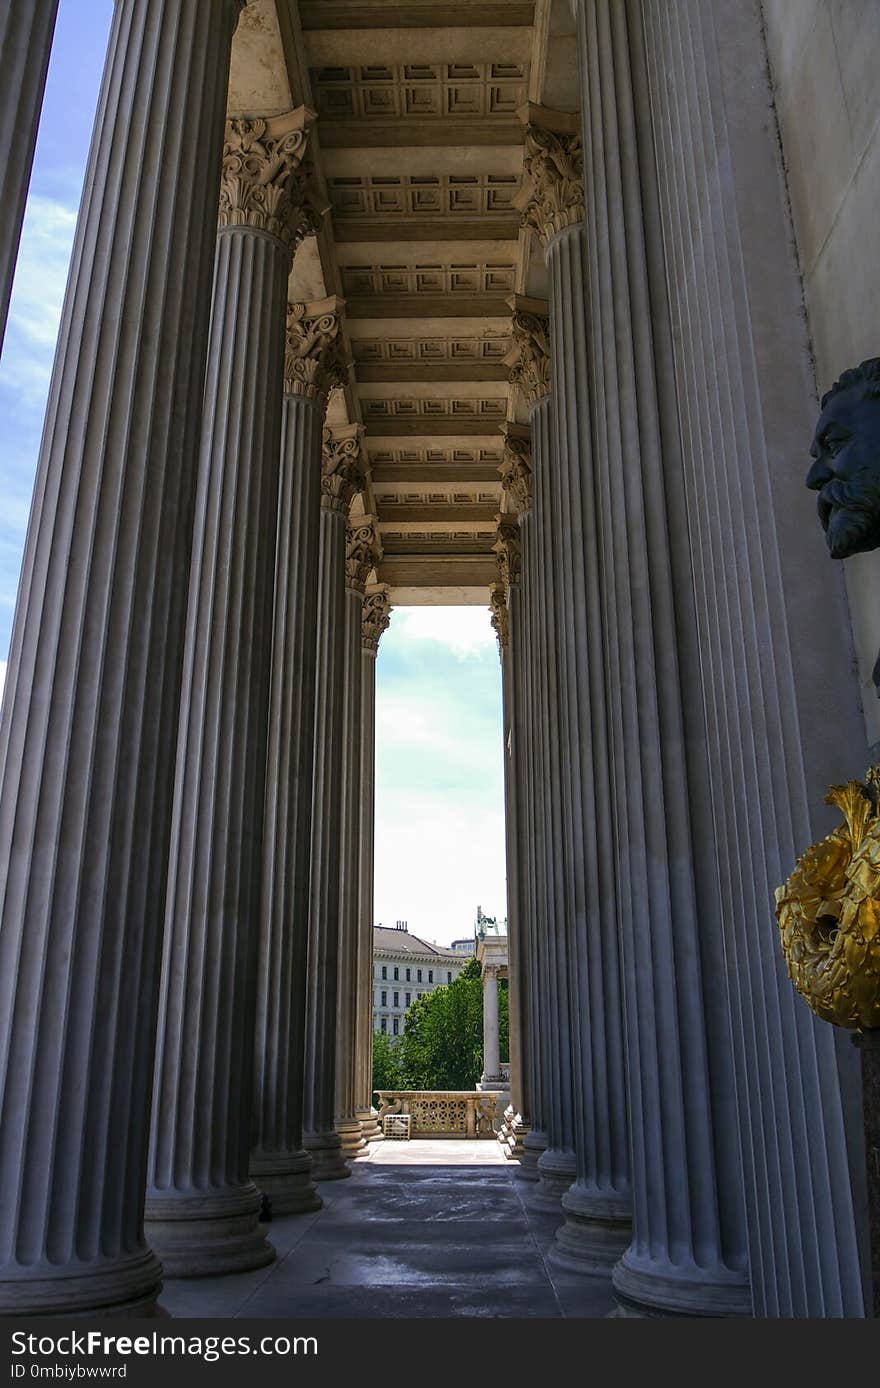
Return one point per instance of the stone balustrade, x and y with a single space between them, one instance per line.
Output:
442 1112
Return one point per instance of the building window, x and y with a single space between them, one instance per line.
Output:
384 1002
407 975
430 975
396 1026
448 976
396 999
384 1024
408 999
418 975
396 973
384 970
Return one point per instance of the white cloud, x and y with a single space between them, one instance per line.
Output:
2 678
465 631
38 294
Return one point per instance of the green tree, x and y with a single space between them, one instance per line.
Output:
386 1065
442 1042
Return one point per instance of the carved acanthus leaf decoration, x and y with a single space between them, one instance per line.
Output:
552 195
528 360
500 618
507 550
266 176
361 553
516 469
342 467
376 616
829 913
314 360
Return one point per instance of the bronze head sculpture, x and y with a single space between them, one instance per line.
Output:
846 466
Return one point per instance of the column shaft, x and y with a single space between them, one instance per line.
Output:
491 1052
597 1207
508 718
202 1207
321 1140
26 29
365 1110
347 1121
519 849
94 674
278 1162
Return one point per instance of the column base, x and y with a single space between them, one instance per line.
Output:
533 1146
208 1234
351 1137
285 1179
649 1290
596 1232
125 1286
369 1121
328 1162
518 1134
557 1170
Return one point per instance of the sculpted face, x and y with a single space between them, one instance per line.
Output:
846 471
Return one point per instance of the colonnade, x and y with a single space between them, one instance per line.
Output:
185 940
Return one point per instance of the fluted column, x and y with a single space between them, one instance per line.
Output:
376 616
342 477
26 29
597 1206
501 621
94 675
491 1048
202 1207
530 362
361 557
314 364
516 473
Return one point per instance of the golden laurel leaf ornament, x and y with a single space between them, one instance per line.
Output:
829 913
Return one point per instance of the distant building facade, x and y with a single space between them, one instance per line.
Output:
404 968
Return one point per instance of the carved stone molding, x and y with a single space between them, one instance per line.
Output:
376 616
552 194
507 550
266 175
315 360
361 552
528 360
342 466
516 466
500 617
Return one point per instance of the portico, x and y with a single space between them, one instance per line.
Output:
381 304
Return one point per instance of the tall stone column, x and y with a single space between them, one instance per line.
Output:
26 29
94 675
516 474
598 1205
314 364
202 1207
342 478
361 557
376 616
530 363
491 1042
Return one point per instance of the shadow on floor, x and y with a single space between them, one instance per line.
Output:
421 1229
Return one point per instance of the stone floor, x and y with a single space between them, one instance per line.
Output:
421 1229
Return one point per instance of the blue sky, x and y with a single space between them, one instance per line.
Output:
439 810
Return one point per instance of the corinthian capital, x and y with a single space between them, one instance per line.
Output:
376 615
500 619
342 466
265 179
528 360
552 194
516 466
507 550
361 552
314 358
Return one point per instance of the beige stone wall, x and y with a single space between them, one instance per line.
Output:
825 65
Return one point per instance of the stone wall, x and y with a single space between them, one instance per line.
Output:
823 61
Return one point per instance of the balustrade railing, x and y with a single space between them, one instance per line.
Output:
441 1113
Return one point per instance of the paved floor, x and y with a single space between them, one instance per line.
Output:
421 1229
